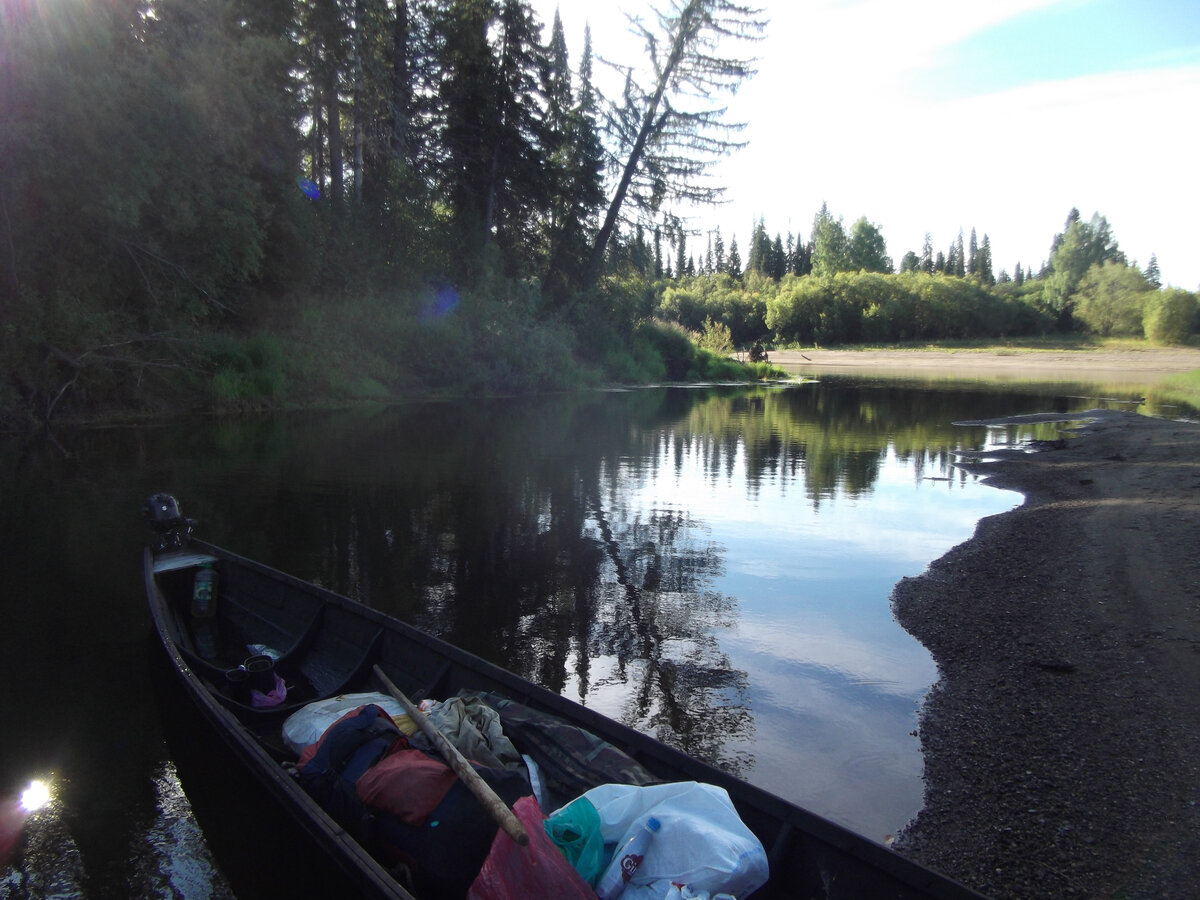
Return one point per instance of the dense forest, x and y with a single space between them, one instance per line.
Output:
231 204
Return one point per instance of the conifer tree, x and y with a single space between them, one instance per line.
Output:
681 258
1152 273
830 253
956 263
983 261
669 131
778 266
574 163
735 260
760 248
718 252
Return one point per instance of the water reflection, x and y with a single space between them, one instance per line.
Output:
169 855
710 566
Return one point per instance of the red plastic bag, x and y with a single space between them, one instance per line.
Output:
539 870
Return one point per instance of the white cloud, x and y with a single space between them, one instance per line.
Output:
1011 164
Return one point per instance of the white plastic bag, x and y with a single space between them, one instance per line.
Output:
305 726
702 842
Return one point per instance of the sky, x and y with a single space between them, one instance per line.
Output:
939 115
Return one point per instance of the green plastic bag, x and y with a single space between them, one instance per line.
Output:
575 830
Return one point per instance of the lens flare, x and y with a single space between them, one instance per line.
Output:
308 187
35 796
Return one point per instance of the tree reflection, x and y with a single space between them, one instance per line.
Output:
661 620
515 529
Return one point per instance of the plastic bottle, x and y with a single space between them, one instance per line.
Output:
204 592
626 861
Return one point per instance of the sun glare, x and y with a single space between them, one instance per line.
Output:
35 796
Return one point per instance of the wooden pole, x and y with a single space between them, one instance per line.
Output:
496 807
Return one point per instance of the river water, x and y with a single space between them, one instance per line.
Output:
711 565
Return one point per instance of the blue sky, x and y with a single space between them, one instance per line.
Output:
936 115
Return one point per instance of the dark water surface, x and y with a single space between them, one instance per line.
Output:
709 565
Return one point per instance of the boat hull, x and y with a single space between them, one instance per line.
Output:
330 644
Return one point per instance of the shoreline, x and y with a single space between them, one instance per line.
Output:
1147 363
1061 741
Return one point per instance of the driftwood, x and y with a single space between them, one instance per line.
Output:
496 807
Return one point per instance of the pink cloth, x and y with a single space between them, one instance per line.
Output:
259 700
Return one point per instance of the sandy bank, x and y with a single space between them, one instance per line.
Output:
1146 362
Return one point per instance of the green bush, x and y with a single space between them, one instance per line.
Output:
248 372
1111 299
1170 316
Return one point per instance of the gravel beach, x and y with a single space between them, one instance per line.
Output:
1062 740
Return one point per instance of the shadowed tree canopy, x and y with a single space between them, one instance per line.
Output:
667 129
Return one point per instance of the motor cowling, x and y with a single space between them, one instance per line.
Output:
171 528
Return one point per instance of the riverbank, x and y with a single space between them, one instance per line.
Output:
1062 742
1144 361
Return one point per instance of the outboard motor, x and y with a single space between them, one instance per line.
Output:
171 529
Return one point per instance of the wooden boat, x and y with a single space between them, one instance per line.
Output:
331 645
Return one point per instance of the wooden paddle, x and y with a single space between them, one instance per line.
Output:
496 807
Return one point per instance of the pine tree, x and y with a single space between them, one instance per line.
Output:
927 254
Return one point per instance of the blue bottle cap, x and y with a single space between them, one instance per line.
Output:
653 824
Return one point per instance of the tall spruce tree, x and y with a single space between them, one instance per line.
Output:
778 264
927 254
681 258
1152 273
734 267
760 249
983 262
669 130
